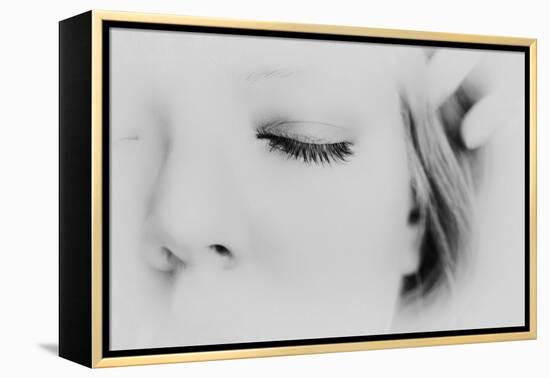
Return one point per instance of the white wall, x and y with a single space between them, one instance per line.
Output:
28 200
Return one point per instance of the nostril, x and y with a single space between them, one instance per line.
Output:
163 259
221 250
167 260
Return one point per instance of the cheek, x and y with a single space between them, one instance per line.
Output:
341 230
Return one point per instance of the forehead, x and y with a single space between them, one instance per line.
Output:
257 60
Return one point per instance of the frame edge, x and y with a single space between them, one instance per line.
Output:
533 186
98 16
75 82
96 189
355 30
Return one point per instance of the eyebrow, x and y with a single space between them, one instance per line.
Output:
254 77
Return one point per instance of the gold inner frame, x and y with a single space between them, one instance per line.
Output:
97 205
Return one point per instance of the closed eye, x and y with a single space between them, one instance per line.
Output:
307 152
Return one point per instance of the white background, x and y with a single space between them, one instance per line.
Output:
29 190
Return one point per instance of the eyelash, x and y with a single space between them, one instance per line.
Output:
308 152
318 153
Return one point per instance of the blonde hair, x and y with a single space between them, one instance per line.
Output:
442 189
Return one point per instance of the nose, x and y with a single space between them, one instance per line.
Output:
194 220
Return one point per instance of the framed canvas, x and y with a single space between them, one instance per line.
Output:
237 188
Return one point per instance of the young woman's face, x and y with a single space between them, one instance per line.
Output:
260 189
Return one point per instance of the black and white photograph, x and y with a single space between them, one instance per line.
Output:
274 189
280 187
